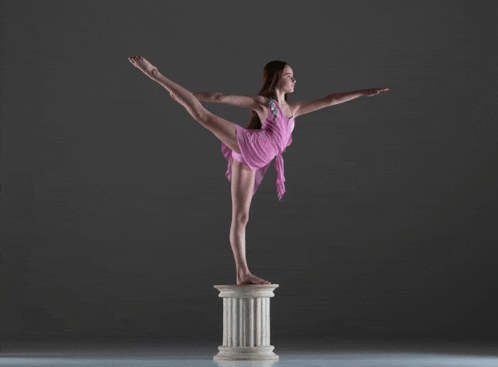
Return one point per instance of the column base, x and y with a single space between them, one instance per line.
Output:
246 353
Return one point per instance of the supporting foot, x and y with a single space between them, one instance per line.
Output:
248 278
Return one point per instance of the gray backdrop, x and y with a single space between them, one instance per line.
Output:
115 207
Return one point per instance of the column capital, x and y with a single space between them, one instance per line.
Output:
247 290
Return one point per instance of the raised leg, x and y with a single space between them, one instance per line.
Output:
242 192
221 128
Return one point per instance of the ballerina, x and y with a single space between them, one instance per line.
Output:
250 150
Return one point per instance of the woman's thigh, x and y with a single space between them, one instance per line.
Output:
223 129
242 189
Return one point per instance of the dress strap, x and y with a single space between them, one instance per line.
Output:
273 107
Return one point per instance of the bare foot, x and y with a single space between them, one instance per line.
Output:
141 63
248 278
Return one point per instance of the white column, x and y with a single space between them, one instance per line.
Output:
246 322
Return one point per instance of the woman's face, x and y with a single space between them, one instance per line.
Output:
287 80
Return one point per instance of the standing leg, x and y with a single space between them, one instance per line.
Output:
242 192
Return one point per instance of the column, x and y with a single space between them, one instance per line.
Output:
246 322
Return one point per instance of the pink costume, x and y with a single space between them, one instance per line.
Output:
258 147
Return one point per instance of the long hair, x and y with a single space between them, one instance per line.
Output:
271 75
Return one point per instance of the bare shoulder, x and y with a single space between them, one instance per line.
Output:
262 100
263 103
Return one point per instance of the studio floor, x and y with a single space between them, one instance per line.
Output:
125 351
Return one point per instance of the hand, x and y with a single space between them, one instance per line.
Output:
373 92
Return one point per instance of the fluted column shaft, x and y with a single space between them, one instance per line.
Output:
246 322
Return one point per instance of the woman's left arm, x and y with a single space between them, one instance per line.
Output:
304 107
348 96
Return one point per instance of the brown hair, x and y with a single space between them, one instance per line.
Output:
271 75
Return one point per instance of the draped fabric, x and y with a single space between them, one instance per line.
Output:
259 147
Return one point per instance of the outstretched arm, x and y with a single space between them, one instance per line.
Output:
204 96
348 96
304 107
253 102
337 98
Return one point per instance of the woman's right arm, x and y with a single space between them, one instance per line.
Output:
254 102
204 96
208 96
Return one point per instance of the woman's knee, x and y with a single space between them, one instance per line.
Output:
197 111
202 115
240 220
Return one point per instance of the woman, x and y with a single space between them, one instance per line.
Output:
250 150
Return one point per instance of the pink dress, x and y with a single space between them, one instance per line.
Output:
259 147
